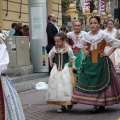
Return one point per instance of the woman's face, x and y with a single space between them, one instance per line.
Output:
110 25
94 25
77 27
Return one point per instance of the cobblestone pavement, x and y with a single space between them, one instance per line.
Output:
35 108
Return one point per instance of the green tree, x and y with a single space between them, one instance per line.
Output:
78 8
65 5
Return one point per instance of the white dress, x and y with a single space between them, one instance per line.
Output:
60 87
12 106
115 57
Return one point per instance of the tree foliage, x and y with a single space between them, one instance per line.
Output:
78 7
92 5
65 5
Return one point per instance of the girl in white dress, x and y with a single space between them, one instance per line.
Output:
60 87
115 57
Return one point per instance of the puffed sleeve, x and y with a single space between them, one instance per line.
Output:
110 39
69 34
52 53
4 58
71 55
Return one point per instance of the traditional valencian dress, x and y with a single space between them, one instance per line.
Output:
115 57
10 105
98 82
60 87
75 41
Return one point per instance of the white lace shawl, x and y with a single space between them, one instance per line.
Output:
4 58
57 50
113 32
95 39
71 35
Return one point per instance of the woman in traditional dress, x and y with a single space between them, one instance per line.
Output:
10 105
75 37
98 83
60 87
115 57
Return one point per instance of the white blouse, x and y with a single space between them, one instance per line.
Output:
62 51
113 32
4 58
95 39
71 35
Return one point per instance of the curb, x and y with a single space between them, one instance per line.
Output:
28 77
25 83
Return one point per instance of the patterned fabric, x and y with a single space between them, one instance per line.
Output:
60 86
13 107
95 39
2 110
109 97
10 105
97 81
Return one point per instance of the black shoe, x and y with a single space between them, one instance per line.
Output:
62 109
95 110
69 107
101 107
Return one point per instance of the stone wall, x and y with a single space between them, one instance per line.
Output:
13 11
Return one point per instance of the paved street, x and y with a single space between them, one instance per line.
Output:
35 108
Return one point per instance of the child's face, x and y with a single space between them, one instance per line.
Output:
77 27
94 25
58 42
110 25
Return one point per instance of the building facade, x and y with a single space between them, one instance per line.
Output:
13 11
17 11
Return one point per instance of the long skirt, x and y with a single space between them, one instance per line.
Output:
79 58
98 83
60 87
10 105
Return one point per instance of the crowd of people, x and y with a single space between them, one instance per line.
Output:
17 29
84 66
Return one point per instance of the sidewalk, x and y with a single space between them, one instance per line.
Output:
28 82
35 108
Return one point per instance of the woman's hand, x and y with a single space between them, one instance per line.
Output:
86 51
51 64
73 68
103 54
